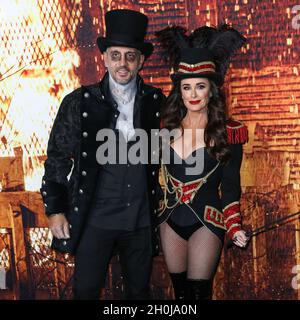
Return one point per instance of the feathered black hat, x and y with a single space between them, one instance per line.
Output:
205 53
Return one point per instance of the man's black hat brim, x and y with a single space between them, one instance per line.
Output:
146 48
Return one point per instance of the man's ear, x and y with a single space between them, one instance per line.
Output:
142 60
105 58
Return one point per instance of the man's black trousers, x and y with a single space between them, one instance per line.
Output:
93 255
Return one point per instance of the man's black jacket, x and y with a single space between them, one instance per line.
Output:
71 169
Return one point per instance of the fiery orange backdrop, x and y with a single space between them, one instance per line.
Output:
47 48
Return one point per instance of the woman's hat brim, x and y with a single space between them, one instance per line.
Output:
215 77
146 48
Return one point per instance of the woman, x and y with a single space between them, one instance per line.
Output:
199 206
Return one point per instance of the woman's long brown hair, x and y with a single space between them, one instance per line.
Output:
215 136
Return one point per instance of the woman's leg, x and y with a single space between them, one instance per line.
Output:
175 254
204 250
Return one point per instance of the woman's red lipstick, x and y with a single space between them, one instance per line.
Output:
195 102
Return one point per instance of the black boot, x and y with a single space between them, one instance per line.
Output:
179 284
200 289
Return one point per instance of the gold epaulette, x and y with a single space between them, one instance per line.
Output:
237 132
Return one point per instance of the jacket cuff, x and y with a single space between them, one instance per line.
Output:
232 218
55 197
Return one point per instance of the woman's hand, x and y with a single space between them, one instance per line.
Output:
240 239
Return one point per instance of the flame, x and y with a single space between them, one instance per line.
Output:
36 72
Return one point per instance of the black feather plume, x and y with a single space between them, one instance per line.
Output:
172 39
201 37
225 43
222 42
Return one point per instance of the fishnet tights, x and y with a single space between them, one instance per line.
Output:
199 256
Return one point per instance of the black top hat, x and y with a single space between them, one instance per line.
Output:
125 28
205 53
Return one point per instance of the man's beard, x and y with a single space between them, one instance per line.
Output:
119 80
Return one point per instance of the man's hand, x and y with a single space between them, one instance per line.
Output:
59 226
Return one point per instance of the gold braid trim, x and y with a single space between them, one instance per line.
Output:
238 214
167 177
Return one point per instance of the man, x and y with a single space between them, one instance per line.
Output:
106 208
